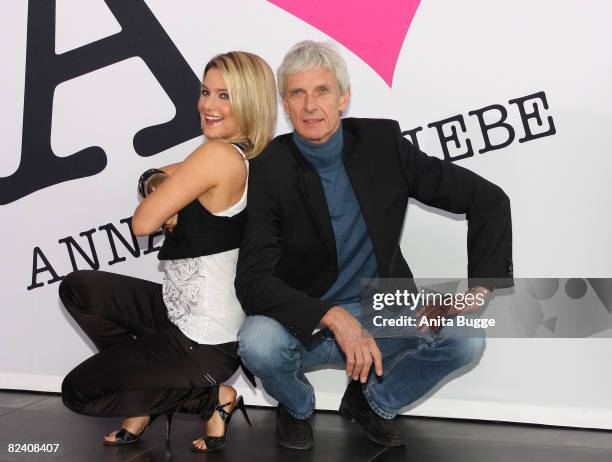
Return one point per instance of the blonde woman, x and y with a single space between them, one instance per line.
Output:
166 348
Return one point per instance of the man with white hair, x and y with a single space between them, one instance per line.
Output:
326 206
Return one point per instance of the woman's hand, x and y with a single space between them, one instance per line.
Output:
170 224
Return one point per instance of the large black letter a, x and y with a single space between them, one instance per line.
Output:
142 36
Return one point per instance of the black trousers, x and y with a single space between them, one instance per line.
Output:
145 364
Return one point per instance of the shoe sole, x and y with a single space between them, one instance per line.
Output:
293 446
205 451
290 445
123 443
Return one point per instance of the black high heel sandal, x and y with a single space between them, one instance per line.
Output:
217 442
124 436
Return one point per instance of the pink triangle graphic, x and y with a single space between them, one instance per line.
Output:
373 30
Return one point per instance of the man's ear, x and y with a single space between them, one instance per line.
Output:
285 105
345 97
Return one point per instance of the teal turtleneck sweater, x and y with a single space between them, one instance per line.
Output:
355 254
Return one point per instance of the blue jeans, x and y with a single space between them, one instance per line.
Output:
412 364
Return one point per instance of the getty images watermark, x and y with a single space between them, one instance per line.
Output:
444 302
530 308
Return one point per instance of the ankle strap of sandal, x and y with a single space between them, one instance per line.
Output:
223 412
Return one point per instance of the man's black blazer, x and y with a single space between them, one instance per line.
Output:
287 258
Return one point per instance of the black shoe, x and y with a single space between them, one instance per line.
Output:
354 406
217 442
124 436
291 432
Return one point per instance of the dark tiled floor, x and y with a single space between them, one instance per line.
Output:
37 417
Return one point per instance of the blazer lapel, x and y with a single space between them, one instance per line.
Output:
360 176
362 181
314 196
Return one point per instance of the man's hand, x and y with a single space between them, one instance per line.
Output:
359 347
432 312
446 311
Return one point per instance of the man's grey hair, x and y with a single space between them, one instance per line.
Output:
310 55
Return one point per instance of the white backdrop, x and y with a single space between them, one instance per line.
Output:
457 57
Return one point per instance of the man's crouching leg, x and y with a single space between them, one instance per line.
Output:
408 376
273 354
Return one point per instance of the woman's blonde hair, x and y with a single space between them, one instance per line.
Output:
250 83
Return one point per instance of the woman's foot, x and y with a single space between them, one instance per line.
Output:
215 425
134 425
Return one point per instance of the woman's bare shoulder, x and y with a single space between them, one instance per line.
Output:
218 150
220 159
